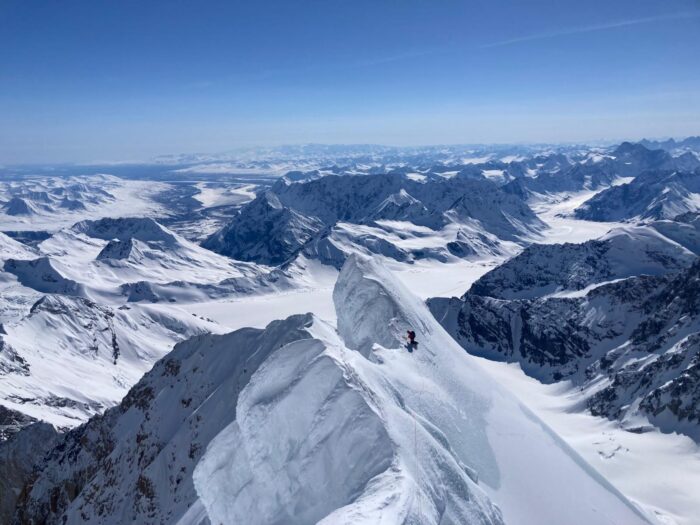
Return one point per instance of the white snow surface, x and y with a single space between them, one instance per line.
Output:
659 471
381 435
58 202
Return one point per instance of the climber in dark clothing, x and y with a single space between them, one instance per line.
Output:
412 344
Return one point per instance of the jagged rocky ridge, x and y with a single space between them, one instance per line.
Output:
279 223
378 434
658 194
655 249
599 171
631 344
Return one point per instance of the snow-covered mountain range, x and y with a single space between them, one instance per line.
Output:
312 216
300 423
618 316
221 339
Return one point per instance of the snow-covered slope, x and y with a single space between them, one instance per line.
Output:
113 254
631 345
658 194
299 423
280 223
11 249
545 269
70 358
53 202
43 275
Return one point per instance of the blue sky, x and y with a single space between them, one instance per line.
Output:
127 80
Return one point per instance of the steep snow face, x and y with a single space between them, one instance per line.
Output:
563 269
338 460
292 424
70 358
372 306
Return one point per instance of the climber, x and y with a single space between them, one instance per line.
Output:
412 343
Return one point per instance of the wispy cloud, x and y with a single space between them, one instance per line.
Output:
594 28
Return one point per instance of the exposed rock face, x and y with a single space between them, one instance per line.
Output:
639 338
19 456
660 194
283 221
266 232
117 249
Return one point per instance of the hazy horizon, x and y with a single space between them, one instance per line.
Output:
84 82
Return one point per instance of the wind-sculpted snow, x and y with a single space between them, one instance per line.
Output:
280 223
135 463
292 424
541 270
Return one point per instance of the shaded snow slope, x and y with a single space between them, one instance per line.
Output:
11 249
43 275
564 268
71 358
